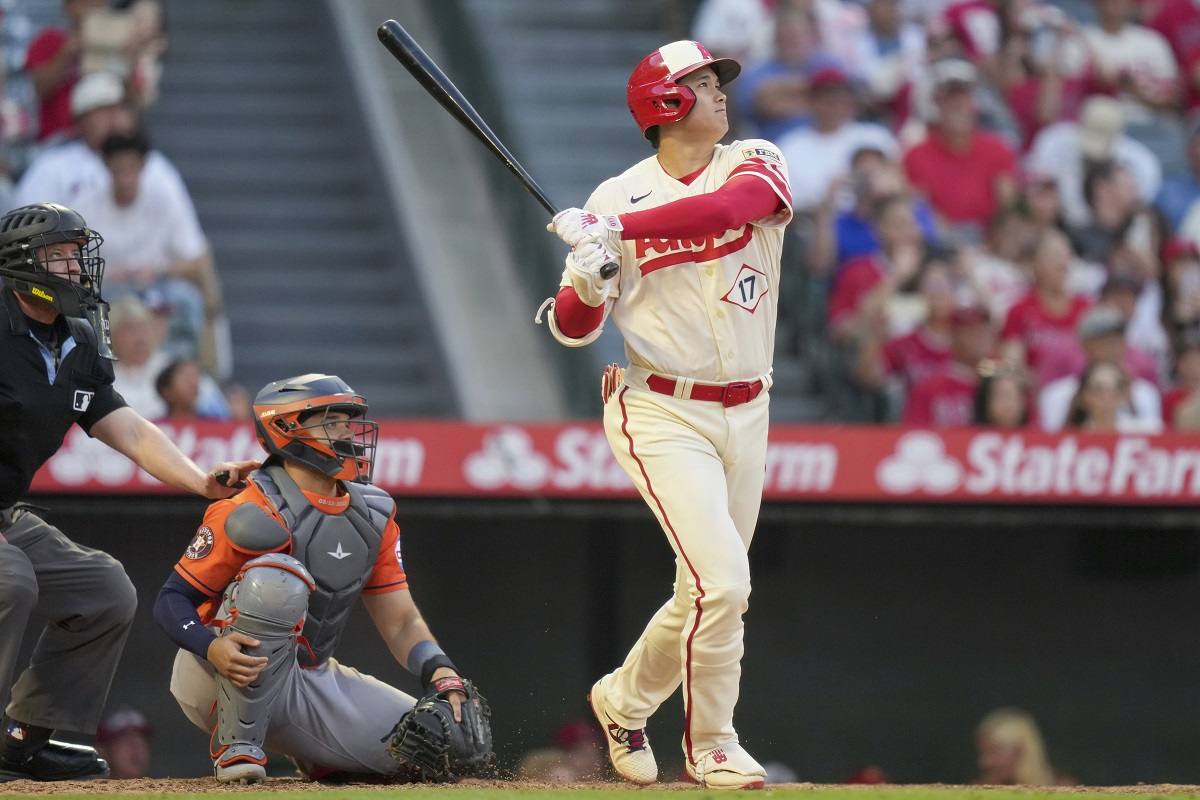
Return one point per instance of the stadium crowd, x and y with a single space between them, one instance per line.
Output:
71 132
997 219
996 200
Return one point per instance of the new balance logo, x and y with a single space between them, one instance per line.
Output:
339 553
719 757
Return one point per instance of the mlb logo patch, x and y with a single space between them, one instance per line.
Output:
83 399
760 152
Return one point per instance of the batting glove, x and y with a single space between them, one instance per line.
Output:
574 225
583 267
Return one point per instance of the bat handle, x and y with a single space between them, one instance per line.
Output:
222 478
608 270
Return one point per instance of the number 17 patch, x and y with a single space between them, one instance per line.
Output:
748 290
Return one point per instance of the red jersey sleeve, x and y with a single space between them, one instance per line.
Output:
44 47
388 574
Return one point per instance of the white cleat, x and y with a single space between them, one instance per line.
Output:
242 772
628 750
728 767
241 762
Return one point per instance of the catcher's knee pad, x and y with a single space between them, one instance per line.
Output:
270 597
268 601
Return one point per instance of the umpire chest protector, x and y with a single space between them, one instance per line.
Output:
339 550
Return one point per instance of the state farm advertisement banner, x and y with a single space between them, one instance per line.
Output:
804 463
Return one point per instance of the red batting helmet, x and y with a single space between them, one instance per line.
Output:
653 95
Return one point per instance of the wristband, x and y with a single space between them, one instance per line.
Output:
425 658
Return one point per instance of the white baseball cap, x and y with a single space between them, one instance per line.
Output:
96 90
1100 123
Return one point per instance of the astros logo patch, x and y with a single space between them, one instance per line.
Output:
201 546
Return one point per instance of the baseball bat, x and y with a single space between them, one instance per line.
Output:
406 50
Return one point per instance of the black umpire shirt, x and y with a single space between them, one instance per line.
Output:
51 377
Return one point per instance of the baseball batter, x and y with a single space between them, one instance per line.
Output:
292 554
697 233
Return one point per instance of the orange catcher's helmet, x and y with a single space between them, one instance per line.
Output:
319 421
654 96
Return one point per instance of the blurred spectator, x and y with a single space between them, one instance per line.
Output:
1102 403
774 95
824 150
886 53
1181 190
947 397
1002 397
1102 333
998 269
1041 202
239 401
1130 61
137 337
153 241
123 740
1181 287
576 755
863 289
1181 403
972 28
1118 221
1147 349
179 386
1069 150
739 29
966 173
1012 752
1040 330
59 174
1178 21
914 356
52 62
64 173
845 224
1042 66
127 40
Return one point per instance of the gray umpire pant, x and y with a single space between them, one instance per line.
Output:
88 603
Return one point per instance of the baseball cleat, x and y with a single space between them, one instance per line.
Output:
728 767
240 762
628 750
55 761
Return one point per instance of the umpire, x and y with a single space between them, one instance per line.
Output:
55 371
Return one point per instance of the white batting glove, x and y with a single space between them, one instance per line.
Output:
583 268
574 225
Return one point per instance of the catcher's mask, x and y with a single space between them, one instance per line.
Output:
70 282
318 421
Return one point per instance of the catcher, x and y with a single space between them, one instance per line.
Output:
261 596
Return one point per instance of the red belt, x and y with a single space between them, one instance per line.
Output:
728 395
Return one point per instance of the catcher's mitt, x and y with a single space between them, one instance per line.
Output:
432 747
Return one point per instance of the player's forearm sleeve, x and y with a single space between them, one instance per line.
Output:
739 201
576 318
175 612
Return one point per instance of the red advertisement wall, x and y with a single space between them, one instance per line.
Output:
804 463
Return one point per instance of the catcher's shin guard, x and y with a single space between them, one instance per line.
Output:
268 601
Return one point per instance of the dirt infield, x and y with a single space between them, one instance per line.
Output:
195 786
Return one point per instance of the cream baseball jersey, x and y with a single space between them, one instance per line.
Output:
701 308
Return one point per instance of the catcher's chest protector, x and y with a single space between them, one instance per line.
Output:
339 551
